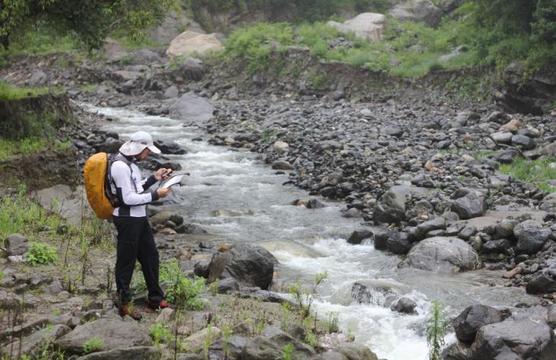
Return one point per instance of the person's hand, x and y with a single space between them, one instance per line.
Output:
162 174
163 192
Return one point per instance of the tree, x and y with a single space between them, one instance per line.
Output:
90 20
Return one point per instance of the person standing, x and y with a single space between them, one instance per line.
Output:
135 236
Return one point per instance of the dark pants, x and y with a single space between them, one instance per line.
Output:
136 242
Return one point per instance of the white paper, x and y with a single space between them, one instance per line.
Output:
172 181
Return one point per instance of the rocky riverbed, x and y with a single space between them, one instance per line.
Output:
421 173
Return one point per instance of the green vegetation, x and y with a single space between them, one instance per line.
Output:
8 92
304 297
287 352
28 146
436 329
89 21
41 254
538 172
92 345
160 334
468 38
180 290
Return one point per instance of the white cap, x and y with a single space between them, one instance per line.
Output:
137 142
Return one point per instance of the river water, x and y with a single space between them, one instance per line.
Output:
234 195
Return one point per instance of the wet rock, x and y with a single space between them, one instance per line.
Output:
513 339
16 244
543 282
282 165
359 235
359 352
438 223
456 351
248 264
131 353
404 305
500 246
523 142
469 204
391 207
530 236
443 254
398 243
472 319
169 147
192 108
114 333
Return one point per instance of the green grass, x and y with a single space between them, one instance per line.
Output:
537 172
19 214
27 146
9 92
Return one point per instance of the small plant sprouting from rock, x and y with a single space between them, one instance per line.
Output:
303 298
92 345
160 334
332 322
226 336
287 352
41 254
436 329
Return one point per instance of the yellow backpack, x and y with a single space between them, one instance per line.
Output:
97 186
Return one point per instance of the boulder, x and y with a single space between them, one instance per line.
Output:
191 43
132 353
114 333
514 339
549 203
193 108
443 254
270 346
543 282
404 305
391 207
250 265
418 11
469 204
193 69
368 26
472 319
530 236
357 352
16 244
34 343
359 235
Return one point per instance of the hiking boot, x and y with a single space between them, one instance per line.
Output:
130 311
163 304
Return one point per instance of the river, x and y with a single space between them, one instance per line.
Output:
234 195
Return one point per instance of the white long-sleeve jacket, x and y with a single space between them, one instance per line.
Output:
129 187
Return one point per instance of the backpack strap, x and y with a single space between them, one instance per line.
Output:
109 181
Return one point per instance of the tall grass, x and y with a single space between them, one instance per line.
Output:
9 92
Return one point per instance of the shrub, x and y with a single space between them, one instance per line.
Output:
436 329
41 254
181 290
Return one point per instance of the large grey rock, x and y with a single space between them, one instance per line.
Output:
514 339
357 352
417 10
368 26
114 333
404 305
524 142
62 200
191 43
443 254
472 319
470 205
530 236
543 282
132 353
250 265
270 346
192 108
32 344
391 207
549 203
16 244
